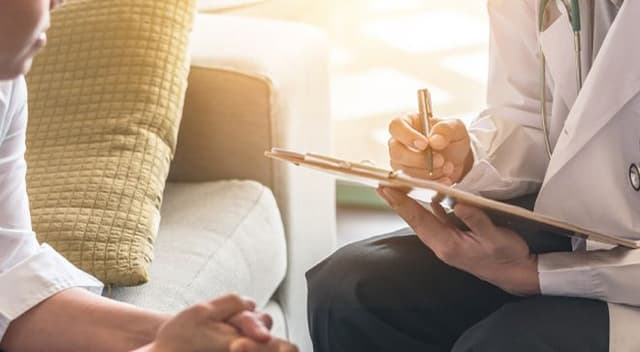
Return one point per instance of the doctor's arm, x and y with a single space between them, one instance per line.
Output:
507 138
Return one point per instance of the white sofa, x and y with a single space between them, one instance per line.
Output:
232 220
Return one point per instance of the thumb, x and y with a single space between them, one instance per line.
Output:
253 325
223 308
477 221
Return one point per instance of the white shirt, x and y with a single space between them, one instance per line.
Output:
29 272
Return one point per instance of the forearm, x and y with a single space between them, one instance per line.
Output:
520 279
76 320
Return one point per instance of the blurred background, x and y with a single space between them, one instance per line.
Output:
383 51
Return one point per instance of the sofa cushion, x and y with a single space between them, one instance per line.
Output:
106 99
215 238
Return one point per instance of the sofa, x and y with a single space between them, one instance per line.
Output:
233 220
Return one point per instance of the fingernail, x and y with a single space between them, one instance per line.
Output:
437 140
267 321
420 144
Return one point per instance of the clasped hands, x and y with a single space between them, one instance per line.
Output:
226 324
494 254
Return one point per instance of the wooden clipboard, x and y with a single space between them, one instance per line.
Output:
425 190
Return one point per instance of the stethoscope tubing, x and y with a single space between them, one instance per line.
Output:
573 11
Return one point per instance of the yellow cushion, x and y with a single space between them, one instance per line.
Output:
106 98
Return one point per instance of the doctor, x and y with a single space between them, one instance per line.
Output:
493 288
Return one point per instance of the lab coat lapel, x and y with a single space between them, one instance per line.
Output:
558 47
613 80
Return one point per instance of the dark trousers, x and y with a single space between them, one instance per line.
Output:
391 293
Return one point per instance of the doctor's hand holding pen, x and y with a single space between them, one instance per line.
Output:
449 143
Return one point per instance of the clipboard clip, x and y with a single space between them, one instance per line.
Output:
395 174
365 167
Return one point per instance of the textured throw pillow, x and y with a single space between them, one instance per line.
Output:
106 99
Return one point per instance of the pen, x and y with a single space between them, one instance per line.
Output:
426 114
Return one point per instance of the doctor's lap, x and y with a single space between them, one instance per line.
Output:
391 293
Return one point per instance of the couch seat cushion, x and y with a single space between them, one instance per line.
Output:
214 238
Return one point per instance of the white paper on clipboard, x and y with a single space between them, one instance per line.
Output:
426 190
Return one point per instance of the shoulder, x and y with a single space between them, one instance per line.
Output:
13 92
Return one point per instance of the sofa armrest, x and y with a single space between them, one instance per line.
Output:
257 84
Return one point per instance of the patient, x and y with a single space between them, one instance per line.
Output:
45 296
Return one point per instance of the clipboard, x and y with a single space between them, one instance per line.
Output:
426 190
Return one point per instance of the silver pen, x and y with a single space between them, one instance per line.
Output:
426 114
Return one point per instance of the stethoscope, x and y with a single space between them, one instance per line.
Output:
634 176
573 11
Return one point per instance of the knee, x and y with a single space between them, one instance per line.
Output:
501 331
334 279
356 274
330 291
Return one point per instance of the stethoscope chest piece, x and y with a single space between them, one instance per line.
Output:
634 177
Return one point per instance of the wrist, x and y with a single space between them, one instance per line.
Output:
523 278
141 329
149 332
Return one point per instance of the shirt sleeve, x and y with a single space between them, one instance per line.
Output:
610 275
507 138
29 272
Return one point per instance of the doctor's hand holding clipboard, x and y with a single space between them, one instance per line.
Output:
494 254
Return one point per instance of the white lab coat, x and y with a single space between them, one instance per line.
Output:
596 136
29 272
